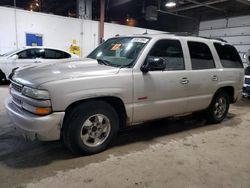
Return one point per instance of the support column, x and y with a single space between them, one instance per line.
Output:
15 20
101 24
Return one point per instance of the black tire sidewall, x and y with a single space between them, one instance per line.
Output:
75 122
210 111
2 78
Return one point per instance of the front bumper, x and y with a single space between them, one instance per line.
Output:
33 127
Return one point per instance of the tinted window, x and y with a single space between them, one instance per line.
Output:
66 55
229 56
55 54
30 54
201 56
171 51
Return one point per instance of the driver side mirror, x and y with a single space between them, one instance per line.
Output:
14 57
153 64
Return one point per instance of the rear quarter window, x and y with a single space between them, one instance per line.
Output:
229 56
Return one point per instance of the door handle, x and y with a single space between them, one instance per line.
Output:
214 78
184 81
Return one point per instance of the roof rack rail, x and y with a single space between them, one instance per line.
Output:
194 35
182 34
220 39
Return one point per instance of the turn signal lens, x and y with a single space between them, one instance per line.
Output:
43 111
37 110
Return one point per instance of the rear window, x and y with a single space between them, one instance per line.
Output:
229 56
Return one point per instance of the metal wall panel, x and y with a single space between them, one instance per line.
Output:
234 30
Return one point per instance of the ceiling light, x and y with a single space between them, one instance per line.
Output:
170 3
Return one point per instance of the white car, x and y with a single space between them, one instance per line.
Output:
28 55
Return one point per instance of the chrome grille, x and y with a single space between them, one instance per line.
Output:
247 80
17 87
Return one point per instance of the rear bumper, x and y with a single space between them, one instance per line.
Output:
33 127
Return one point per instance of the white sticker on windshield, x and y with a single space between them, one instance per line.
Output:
141 40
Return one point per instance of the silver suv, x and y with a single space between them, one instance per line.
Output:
125 81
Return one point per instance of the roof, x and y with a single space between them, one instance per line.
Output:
27 47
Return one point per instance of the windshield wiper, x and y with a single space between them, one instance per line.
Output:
108 63
127 65
104 62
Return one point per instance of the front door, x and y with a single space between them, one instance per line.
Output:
29 56
24 58
158 94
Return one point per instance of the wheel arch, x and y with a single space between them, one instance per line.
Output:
1 72
229 90
115 102
2 75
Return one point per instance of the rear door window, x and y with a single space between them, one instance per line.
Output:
201 56
229 56
55 54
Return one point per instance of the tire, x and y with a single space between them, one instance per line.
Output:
2 78
90 127
218 109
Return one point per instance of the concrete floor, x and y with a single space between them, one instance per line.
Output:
180 152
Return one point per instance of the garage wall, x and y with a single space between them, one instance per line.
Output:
57 31
235 30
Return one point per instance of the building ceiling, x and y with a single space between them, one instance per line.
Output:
183 17
193 9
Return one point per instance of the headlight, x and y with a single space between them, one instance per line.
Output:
37 110
35 93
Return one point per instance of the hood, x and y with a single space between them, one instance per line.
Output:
35 75
3 57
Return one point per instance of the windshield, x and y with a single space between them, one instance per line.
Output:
11 52
119 52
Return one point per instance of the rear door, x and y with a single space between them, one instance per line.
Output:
204 75
159 94
233 72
